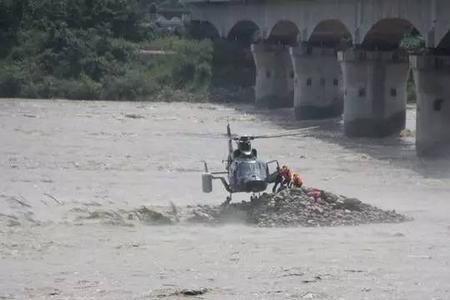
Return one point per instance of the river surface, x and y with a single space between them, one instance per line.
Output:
59 158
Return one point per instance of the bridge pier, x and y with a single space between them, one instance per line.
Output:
374 92
274 87
318 83
432 77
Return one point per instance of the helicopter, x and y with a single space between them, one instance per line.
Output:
244 171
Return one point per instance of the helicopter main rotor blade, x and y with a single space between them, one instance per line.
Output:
296 132
284 134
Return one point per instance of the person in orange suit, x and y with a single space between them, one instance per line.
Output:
284 179
297 181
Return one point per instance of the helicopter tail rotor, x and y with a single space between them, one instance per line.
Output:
206 166
230 141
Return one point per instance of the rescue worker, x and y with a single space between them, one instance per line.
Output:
297 181
283 179
315 193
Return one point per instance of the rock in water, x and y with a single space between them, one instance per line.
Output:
348 204
295 207
193 292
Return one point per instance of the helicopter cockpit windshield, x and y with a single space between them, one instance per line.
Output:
254 169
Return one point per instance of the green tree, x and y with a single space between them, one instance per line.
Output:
90 49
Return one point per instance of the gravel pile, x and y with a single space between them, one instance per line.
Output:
297 207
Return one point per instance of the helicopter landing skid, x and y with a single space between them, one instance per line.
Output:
253 198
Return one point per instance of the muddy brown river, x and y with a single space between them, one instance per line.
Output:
60 159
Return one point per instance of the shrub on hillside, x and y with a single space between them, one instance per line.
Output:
133 85
81 49
10 80
186 65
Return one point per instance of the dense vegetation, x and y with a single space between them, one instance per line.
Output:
90 49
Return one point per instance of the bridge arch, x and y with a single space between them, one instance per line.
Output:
330 33
444 43
284 32
245 31
387 34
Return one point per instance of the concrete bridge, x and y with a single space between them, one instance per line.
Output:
326 57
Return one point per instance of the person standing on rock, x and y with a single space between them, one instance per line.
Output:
283 179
